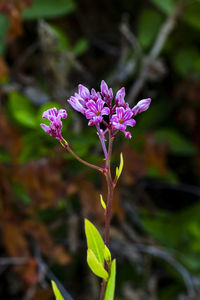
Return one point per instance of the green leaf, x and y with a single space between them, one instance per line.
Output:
110 288
102 202
48 9
178 143
63 41
166 6
95 265
56 291
21 194
94 241
5 157
4 26
80 47
149 24
191 14
107 254
22 110
119 170
185 60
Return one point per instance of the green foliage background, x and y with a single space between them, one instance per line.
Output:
67 42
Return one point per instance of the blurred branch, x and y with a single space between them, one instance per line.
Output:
163 34
51 276
182 187
129 250
6 261
163 254
44 271
13 260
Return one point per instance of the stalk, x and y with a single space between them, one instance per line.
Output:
67 147
110 190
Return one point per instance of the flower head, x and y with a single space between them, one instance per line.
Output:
95 111
106 93
141 106
122 119
77 103
94 105
55 127
119 99
95 95
84 92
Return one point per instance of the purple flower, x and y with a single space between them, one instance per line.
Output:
119 99
55 127
141 106
106 93
84 92
95 111
77 103
80 99
122 119
95 95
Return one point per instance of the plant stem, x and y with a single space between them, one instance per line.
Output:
108 209
67 147
102 140
110 189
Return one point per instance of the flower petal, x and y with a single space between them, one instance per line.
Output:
119 99
105 111
45 128
141 106
130 122
91 105
84 92
74 102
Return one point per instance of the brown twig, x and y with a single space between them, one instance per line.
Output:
163 34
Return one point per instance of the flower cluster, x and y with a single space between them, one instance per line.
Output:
99 108
55 127
94 105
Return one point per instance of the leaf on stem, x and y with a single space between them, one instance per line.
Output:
102 202
110 288
95 265
119 170
56 291
107 254
94 241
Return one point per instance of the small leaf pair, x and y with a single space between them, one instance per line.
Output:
119 170
97 253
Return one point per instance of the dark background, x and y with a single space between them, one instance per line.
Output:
152 48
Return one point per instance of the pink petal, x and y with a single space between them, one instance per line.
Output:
89 114
141 106
62 113
127 134
128 114
99 105
83 91
104 87
130 122
105 111
91 105
45 128
120 112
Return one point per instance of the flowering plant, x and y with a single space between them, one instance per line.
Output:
110 116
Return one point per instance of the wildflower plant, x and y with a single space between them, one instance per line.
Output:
109 115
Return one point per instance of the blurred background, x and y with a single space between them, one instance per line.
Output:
152 48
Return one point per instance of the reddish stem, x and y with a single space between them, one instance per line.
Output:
110 188
67 147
